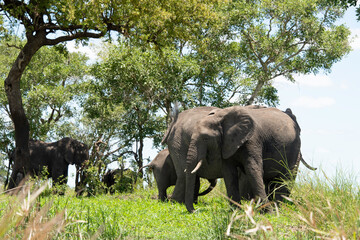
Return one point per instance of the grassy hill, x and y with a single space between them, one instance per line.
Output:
319 207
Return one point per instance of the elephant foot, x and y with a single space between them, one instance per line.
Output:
176 199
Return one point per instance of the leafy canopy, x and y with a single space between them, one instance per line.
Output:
283 38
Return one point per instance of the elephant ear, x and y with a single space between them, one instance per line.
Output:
238 127
69 151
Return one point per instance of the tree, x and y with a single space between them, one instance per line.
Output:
143 82
346 4
50 84
48 23
282 38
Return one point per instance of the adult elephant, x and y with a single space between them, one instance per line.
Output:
56 157
165 175
178 138
262 144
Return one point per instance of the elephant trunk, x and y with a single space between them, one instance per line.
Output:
211 187
194 157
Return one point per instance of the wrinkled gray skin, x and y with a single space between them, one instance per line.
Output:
56 156
165 175
232 143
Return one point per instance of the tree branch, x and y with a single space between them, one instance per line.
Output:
52 42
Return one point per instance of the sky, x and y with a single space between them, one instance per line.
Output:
327 107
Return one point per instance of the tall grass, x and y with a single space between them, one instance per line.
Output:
22 218
329 207
319 207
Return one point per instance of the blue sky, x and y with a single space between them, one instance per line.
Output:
327 109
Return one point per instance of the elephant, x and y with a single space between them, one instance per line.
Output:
56 157
119 179
165 175
251 145
109 179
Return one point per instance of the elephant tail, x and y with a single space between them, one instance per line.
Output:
306 164
150 165
212 185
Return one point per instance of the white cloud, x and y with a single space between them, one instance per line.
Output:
312 102
307 81
355 36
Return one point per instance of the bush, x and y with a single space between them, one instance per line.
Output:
124 181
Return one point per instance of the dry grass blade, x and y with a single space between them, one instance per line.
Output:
39 227
249 211
22 219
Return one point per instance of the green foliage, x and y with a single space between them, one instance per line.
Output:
124 182
216 53
48 23
283 38
50 88
92 184
2 28
329 207
137 84
346 4
50 84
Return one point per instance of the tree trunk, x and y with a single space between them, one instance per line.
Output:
140 160
12 88
255 93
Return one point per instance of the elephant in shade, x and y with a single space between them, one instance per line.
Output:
252 148
56 157
165 175
118 179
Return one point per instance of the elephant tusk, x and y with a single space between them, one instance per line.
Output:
197 167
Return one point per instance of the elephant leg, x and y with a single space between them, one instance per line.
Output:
254 172
230 174
178 194
162 191
280 186
278 189
281 191
162 194
245 187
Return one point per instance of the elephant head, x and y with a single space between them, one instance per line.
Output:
74 152
227 129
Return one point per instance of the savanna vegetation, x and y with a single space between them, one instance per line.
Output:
220 53
318 208
154 54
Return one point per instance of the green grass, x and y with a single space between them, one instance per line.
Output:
318 208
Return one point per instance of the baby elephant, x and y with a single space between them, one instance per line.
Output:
165 175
